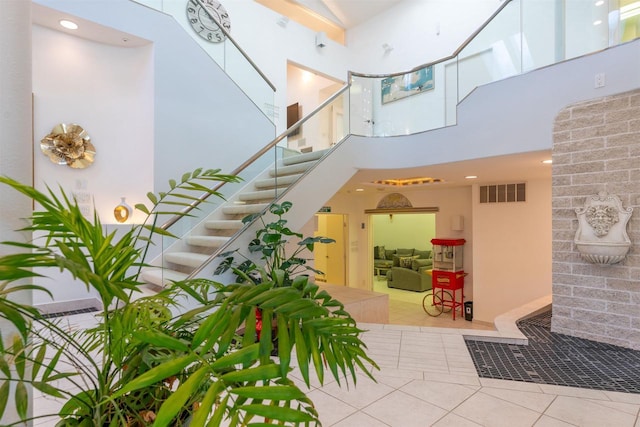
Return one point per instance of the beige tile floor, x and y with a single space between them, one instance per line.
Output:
405 308
427 378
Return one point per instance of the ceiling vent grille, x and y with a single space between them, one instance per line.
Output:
503 193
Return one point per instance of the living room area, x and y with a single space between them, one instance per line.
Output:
402 262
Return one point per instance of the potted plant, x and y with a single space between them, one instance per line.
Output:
270 244
151 361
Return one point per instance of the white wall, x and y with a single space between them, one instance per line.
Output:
403 230
151 118
511 251
411 27
420 31
107 90
15 151
309 90
201 118
271 47
15 122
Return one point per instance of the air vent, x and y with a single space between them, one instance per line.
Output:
70 312
503 193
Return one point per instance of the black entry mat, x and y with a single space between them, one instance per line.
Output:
558 359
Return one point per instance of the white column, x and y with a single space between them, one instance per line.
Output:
16 138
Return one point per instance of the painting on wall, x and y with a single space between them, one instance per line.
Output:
398 87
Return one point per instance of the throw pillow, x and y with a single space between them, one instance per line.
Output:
405 262
380 252
404 252
389 253
422 254
396 261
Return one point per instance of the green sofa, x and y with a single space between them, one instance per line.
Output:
409 279
384 259
408 270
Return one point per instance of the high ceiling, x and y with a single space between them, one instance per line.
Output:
347 13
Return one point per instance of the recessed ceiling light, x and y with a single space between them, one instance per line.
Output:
359 189
69 25
471 177
597 22
547 161
599 2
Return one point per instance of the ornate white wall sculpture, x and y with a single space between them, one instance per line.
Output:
602 229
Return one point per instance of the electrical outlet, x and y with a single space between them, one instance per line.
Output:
599 80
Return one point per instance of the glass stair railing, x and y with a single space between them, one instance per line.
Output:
521 36
212 226
221 48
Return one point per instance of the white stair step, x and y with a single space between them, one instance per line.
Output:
188 259
304 157
223 224
148 290
292 169
244 209
280 182
161 277
208 241
260 195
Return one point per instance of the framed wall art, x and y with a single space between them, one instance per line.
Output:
398 87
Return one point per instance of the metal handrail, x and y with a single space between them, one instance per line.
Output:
446 58
255 157
299 123
224 31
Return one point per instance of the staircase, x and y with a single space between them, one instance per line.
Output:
183 257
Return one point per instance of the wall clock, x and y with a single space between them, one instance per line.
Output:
207 25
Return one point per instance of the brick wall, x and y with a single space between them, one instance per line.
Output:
596 148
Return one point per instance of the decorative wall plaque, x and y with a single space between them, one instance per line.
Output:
394 201
602 229
69 144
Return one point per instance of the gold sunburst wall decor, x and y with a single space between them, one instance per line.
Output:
69 144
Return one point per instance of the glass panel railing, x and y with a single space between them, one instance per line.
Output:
212 224
226 53
399 104
322 130
628 18
494 53
522 35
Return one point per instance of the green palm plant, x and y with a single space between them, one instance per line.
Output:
154 360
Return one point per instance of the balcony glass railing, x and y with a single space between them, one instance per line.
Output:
265 177
226 53
521 36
